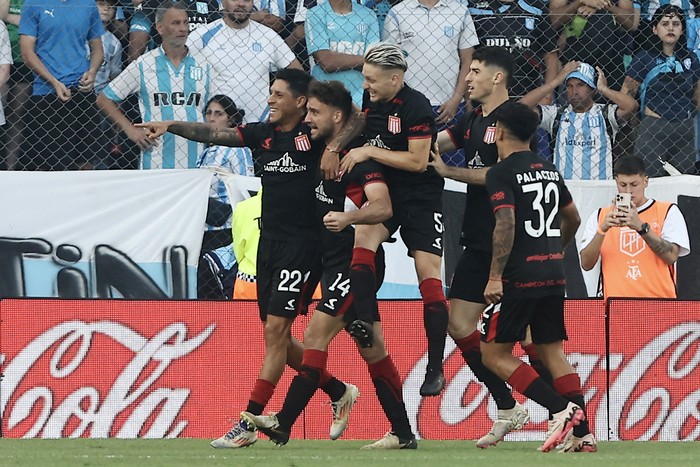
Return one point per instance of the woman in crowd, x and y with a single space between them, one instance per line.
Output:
665 78
217 265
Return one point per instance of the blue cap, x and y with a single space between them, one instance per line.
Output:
585 73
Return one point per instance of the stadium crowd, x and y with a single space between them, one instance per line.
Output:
85 85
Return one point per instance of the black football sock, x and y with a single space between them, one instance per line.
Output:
363 284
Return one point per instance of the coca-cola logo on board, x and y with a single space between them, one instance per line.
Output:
98 379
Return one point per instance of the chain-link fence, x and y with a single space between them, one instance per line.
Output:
638 96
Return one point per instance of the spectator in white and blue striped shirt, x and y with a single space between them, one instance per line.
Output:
221 112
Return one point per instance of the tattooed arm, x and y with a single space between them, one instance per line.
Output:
503 237
665 250
201 132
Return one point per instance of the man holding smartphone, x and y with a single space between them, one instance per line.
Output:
638 239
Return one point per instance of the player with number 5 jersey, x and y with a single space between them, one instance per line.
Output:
400 129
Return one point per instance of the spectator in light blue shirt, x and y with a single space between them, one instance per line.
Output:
338 32
60 128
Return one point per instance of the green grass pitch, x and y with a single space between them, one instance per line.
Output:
196 452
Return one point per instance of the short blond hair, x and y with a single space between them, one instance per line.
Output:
386 55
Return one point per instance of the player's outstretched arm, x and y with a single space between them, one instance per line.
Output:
201 132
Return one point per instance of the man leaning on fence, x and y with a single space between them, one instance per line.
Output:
637 245
60 133
171 84
583 132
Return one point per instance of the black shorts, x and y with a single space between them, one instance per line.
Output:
287 274
420 220
60 135
336 298
471 275
508 320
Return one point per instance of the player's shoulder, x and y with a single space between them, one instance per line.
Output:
412 98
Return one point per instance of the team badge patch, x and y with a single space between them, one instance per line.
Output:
490 135
302 143
202 8
196 73
394 125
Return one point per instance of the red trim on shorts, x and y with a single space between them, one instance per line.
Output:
493 326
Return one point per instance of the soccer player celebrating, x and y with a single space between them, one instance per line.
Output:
400 130
288 256
488 78
535 219
329 107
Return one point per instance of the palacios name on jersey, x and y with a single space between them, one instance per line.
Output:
529 177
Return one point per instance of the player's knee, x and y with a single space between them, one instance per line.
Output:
490 357
374 354
316 339
276 335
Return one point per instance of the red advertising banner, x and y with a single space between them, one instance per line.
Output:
152 369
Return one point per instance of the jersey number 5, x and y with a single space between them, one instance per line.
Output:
546 197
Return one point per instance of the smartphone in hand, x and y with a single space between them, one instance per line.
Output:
623 201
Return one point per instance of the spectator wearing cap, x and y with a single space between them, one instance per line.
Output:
582 131
666 80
